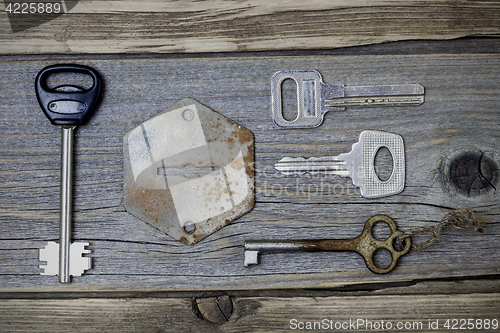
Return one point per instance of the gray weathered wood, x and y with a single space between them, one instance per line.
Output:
460 111
228 26
251 314
414 287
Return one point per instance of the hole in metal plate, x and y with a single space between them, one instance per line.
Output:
189 227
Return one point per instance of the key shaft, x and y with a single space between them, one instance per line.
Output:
65 217
305 245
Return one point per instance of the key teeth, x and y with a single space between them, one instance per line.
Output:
251 257
78 263
49 254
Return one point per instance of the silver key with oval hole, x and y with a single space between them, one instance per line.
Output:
315 98
359 164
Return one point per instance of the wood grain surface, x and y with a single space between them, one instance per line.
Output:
228 26
252 311
460 113
254 314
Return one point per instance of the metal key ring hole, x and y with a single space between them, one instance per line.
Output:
289 92
400 247
381 230
380 163
382 258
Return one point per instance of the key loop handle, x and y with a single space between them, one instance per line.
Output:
370 185
67 105
309 112
367 245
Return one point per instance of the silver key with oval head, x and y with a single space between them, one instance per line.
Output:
357 164
315 98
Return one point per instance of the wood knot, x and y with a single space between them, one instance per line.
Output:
216 310
473 174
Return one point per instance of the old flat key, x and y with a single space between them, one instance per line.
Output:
357 164
66 106
365 245
315 98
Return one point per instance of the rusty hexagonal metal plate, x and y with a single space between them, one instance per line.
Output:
188 171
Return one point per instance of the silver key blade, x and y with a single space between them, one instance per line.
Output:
357 164
313 165
384 95
78 264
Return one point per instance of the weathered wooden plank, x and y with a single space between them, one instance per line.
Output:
254 314
222 26
446 286
415 287
460 111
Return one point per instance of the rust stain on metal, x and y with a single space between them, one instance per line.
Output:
189 171
365 244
